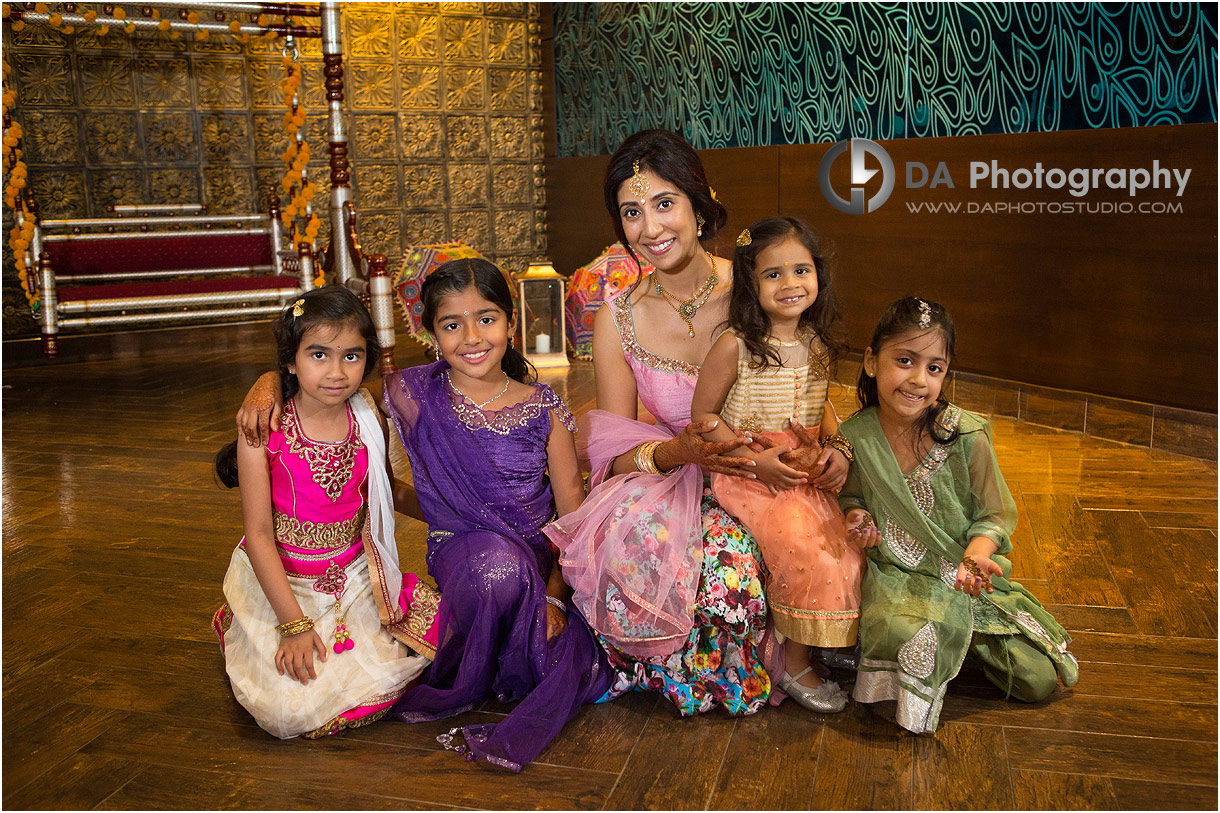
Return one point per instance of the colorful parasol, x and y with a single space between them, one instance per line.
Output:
613 271
417 263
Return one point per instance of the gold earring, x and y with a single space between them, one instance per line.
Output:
699 221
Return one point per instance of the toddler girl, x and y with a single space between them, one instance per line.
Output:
767 377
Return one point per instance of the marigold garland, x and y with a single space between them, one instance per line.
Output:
295 183
16 174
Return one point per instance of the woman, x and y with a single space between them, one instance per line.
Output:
671 582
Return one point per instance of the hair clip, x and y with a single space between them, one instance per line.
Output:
744 239
298 308
712 192
925 314
639 184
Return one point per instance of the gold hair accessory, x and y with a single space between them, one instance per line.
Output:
712 192
925 314
298 308
639 184
304 624
744 239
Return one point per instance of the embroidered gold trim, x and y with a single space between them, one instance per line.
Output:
315 535
626 332
425 604
504 421
330 464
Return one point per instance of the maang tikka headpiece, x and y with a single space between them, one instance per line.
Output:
639 184
925 315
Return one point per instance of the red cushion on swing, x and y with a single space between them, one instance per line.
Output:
110 255
174 287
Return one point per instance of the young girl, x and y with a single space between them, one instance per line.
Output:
925 494
482 442
767 376
314 561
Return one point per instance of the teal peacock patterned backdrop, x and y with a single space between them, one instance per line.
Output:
753 74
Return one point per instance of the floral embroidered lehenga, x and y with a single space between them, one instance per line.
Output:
334 531
671 582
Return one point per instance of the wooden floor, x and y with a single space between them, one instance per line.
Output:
116 538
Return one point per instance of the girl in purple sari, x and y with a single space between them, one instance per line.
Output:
482 442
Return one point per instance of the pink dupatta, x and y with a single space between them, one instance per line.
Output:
633 551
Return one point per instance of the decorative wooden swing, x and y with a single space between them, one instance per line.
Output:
98 272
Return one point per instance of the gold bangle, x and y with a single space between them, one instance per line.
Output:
842 444
304 624
645 457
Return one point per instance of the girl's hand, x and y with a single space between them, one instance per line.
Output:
556 621
690 447
295 655
805 456
974 574
861 528
260 411
776 474
834 470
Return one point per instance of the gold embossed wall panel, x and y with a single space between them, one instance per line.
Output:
444 117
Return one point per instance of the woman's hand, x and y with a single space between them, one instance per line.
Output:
861 528
260 411
556 621
295 655
690 447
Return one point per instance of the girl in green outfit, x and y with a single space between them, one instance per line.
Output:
926 497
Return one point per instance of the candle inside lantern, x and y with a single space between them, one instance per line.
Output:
542 343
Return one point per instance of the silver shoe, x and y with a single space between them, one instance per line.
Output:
826 698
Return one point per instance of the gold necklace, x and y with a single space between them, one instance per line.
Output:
687 308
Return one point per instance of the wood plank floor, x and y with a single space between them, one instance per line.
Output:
116 538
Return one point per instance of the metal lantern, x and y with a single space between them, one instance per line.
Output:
541 334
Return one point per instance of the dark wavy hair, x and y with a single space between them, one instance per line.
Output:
329 306
746 315
900 318
668 155
456 276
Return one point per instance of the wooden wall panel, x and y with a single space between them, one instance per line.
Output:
1114 304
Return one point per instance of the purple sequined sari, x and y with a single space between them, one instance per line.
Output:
481 481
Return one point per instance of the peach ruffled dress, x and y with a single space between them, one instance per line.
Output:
813 589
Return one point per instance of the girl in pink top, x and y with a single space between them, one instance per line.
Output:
317 628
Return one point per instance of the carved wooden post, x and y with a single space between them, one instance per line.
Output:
339 256
305 259
50 327
277 235
381 305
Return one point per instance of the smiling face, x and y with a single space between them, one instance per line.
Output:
330 363
472 334
910 371
660 224
787 280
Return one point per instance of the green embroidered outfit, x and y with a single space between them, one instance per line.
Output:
916 630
